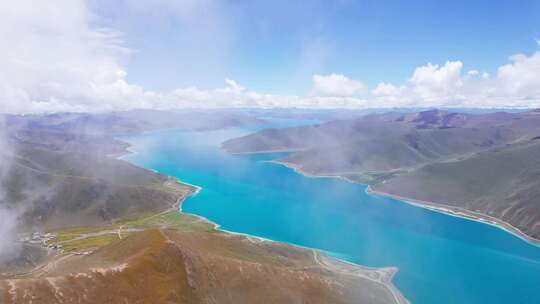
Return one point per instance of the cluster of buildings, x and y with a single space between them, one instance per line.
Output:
44 240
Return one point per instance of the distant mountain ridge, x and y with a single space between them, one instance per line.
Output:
389 151
56 162
116 233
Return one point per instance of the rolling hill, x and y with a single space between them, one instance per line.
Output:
110 232
483 163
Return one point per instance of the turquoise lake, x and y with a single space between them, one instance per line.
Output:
441 258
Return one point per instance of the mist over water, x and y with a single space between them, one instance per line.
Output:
441 259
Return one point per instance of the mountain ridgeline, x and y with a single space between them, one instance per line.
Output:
485 163
58 172
91 228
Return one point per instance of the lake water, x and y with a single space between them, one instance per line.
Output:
441 258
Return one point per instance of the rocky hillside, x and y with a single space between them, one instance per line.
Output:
95 229
484 163
57 170
56 185
174 266
503 183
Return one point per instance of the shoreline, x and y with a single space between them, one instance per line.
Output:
221 147
461 213
381 275
436 207
299 170
329 262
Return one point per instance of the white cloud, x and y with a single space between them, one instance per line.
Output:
516 84
521 77
388 90
234 95
54 58
234 86
8 215
336 85
432 82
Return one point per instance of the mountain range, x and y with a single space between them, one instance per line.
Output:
485 165
92 228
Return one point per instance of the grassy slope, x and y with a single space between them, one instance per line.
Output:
58 173
504 183
63 189
379 143
140 252
179 258
484 163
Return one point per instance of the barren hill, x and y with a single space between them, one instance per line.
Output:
484 163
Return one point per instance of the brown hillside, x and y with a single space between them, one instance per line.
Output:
171 266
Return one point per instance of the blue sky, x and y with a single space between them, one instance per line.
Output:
102 55
275 46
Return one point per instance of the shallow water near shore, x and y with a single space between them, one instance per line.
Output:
441 258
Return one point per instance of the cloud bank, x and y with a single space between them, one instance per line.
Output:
8 216
336 85
56 60
516 84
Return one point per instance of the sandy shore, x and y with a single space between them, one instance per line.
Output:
460 212
260 152
442 208
299 170
382 276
